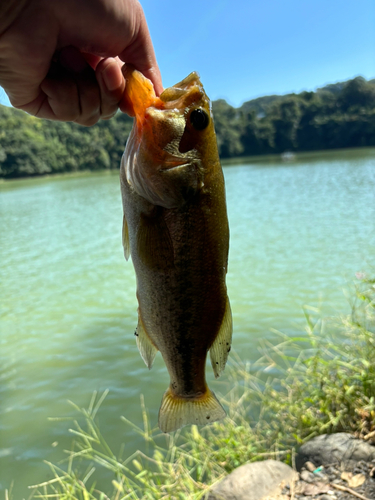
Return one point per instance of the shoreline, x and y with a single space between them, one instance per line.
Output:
226 162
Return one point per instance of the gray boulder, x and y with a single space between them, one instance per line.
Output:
334 448
256 481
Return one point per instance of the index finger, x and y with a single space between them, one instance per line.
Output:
140 53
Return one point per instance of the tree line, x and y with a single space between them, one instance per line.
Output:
335 116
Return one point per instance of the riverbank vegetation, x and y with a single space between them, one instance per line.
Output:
340 115
322 381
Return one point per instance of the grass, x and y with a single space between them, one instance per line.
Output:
323 381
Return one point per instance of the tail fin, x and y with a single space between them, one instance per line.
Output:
176 411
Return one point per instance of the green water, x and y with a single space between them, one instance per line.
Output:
299 233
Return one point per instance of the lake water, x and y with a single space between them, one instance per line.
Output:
299 233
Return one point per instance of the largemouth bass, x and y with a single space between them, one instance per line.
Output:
176 230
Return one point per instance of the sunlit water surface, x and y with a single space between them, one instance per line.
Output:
299 233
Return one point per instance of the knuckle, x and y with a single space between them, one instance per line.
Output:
109 111
67 115
88 121
108 117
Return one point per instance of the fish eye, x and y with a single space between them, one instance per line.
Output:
199 119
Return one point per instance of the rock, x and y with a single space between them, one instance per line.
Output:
315 489
307 476
334 448
256 481
310 466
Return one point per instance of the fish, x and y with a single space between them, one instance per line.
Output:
175 228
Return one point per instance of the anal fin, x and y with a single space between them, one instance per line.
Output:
176 411
219 350
145 346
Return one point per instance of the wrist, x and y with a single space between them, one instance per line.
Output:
9 12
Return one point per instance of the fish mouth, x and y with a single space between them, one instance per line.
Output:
140 97
140 94
179 89
183 93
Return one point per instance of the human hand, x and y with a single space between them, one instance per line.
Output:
62 59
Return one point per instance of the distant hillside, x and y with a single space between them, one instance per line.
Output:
261 104
334 88
337 115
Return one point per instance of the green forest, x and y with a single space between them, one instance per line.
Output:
340 115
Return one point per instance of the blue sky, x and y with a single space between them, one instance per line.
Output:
245 48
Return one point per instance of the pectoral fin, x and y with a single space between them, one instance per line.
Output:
220 348
146 347
154 243
125 238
